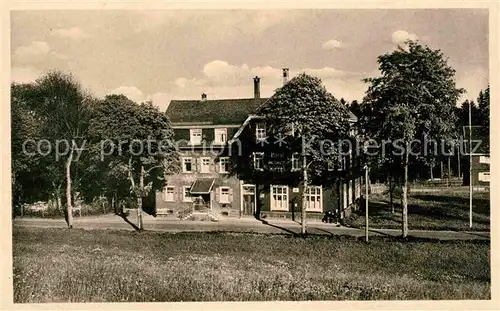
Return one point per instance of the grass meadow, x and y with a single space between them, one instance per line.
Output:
447 209
75 265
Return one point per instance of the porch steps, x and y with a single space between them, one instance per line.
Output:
205 215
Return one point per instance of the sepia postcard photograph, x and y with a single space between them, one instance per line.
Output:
249 155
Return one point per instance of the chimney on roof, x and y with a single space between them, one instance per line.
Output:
285 75
256 87
203 96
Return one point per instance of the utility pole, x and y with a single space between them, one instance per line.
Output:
304 201
366 203
470 165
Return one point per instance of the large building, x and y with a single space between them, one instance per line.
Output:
205 131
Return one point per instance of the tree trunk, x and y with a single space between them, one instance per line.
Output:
391 194
432 173
69 203
404 211
442 173
304 202
449 171
458 157
139 199
366 204
58 202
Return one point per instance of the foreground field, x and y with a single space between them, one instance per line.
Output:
61 265
447 209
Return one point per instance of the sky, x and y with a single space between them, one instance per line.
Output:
164 54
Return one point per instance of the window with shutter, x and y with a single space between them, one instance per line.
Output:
224 195
205 165
169 193
195 136
220 135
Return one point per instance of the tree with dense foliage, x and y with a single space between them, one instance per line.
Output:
300 117
483 102
135 144
25 126
413 99
58 106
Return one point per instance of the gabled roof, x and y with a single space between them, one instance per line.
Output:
217 111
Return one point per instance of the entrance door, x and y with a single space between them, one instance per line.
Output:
248 204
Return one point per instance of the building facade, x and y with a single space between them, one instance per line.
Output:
210 180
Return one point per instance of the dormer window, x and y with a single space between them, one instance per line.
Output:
195 136
260 131
220 135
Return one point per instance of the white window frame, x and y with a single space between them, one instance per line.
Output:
261 158
184 160
260 131
279 199
220 135
315 205
184 197
169 196
222 161
195 136
295 162
484 160
484 176
224 198
205 165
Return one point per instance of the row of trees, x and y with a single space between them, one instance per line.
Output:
414 98
64 138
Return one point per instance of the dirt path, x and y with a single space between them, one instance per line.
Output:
113 222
